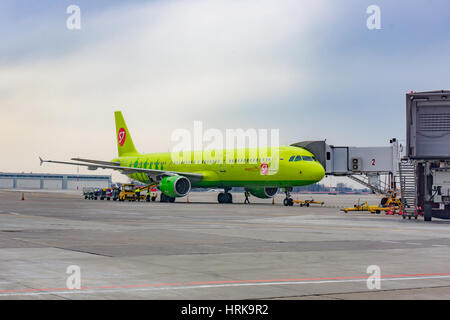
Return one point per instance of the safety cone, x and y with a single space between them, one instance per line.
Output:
187 199
273 200
23 196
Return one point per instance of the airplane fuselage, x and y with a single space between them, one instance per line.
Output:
296 167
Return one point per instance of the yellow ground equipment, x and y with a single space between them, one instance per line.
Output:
151 193
127 192
390 204
359 207
391 200
306 203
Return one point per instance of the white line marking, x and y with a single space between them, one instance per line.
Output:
209 286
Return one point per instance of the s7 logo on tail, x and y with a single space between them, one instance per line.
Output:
121 136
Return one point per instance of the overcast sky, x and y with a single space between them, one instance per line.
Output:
309 68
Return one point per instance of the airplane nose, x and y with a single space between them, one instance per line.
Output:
319 172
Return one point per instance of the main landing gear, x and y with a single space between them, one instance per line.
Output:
288 200
164 198
225 197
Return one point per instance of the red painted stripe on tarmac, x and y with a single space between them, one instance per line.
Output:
418 275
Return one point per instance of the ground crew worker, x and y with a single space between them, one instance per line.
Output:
138 194
115 193
246 197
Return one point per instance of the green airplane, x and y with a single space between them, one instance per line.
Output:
254 169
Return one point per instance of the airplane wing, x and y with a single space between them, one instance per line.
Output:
97 161
154 175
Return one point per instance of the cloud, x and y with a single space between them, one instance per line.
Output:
309 68
164 64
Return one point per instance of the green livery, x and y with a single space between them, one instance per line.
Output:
227 172
261 171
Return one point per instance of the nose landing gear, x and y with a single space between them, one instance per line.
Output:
288 202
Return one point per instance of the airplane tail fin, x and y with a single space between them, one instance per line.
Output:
125 145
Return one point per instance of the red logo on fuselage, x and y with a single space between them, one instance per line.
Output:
121 136
264 169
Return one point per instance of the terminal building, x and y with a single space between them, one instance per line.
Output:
52 181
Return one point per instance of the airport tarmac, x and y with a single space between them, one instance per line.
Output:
206 250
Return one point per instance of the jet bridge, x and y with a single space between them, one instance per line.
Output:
365 165
427 186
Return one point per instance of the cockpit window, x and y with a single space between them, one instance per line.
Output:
307 158
298 158
291 158
314 158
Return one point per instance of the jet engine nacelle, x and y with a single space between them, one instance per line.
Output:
175 186
263 192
